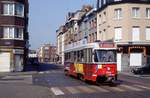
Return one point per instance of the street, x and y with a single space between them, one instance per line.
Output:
52 83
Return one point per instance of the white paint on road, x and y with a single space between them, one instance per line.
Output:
131 87
144 87
97 88
86 89
57 91
117 89
41 72
72 90
17 79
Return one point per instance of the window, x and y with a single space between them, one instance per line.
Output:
135 34
12 9
104 17
148 13
148 33
18 33
105 56
118 13
117 0
104 35
8 32
118 33
8 9
19 10
100 19
135 12
12 33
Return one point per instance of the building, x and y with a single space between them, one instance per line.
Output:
13 34
69 34
88 27
32 54
73 32
127 23
60 44
47 53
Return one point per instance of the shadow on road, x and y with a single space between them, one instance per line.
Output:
42 67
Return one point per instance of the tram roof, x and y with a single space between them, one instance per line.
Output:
86 46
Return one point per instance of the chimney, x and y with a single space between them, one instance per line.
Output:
98 1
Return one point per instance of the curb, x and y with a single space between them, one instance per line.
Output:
133 75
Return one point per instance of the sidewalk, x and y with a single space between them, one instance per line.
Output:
3 74
147 76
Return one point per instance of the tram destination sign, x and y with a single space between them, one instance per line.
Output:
107 45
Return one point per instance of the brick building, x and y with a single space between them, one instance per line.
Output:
13 34
47 53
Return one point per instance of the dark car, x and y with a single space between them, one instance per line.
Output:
33 61
141 70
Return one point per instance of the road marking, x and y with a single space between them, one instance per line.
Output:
19 79
72 90
41 72
144 87
57 91
97 88
86 89
117 89
131 88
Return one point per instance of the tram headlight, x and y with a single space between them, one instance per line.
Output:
99 66
108 68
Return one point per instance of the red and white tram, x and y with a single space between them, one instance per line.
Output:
94 61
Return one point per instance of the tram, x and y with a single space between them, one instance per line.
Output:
93 62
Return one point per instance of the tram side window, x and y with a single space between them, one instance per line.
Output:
75 56
85 55
80 56
72 56
95 57
89 55
67 57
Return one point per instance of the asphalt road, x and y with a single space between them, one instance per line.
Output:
52 83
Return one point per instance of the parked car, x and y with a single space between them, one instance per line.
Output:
141 70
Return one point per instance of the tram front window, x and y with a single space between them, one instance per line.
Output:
105 56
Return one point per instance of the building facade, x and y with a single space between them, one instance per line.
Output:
74 31
60 44
13 34
47 53
127 23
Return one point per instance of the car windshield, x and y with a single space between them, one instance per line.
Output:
105 56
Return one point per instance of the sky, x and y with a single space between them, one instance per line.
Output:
45 17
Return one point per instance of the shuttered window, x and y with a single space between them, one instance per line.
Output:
118 33
135 34
147 33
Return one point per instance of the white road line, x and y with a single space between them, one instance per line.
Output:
41 72
86 89
131 88
117 89
57 91
99 89
72 90
144 87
